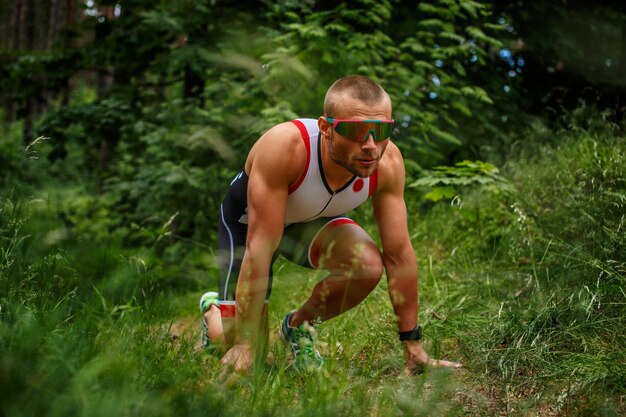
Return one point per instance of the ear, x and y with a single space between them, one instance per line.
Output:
324 126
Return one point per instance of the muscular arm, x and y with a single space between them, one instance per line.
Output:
398 254
274 162
399 257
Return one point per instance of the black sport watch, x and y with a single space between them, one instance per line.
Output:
415 334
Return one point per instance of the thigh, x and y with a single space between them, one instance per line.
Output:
324 243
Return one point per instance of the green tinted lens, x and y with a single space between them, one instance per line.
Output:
348 130
359 131
384 130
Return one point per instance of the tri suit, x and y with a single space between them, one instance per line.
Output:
312 208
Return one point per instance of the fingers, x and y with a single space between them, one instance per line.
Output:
237 361
413 367
438 363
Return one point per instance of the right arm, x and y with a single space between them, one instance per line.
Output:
275 162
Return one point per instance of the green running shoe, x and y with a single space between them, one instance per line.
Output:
301 340
206 301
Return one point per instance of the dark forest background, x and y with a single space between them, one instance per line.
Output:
156 102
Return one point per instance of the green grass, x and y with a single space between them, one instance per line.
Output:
526 289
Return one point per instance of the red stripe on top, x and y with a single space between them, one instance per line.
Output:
373 183
307 145
314 256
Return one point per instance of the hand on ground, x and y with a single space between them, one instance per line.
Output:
238 360
417 360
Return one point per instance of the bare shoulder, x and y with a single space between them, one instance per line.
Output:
279 150
391 173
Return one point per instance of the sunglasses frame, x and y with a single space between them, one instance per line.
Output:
336 122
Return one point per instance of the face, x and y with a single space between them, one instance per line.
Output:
359 158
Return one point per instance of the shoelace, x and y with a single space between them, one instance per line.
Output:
307 347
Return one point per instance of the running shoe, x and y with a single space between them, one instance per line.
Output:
301 340
206 301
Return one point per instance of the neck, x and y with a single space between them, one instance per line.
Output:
336 176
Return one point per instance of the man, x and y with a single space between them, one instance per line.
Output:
299 179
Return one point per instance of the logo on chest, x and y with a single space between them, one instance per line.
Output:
358 185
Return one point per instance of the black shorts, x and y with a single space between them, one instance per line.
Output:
295 245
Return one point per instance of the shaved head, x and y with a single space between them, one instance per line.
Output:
355 87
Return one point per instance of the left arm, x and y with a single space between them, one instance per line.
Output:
399 256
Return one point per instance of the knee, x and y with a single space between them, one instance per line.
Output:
367 265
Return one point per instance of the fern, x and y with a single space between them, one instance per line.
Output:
447 181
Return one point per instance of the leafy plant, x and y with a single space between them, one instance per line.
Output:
446 182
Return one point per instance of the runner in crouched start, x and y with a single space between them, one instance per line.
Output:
299 180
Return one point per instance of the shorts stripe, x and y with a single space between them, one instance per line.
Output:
232 253
314 248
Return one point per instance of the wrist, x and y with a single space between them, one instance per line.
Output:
245 335
242 343
413 334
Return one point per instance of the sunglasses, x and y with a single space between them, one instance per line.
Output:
360 130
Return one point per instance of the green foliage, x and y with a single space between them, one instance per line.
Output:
583 174
11 158
444 181
31 74
548 273
183 89
107 221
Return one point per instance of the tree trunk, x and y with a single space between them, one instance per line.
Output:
105 154
6 12
28 44
105 78
622 57
620 104
54 22
16 24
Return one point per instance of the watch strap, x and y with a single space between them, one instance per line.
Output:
415 334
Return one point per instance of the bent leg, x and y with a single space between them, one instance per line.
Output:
355 267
